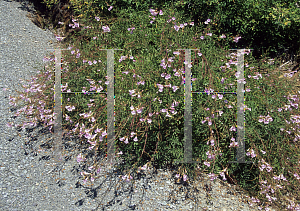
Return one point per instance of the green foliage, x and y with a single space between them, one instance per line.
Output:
261 24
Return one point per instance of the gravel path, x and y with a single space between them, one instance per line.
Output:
31 180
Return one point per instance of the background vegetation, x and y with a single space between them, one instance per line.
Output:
270 26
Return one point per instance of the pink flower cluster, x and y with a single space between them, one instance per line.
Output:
265 119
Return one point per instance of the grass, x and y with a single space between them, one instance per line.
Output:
157 138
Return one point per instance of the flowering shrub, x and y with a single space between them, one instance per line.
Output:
149 102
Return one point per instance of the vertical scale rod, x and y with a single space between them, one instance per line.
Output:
240 151
188 143
110 108
188 150
240 108
57 148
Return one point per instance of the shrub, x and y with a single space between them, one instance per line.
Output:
150 128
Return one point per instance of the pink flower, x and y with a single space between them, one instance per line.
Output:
98 170
234 144
139 110
175 88
127 178
252 153
154 13
232 128
210 156
106 28
212 142
265 119
80 158
207 21
297 176
223 175
144 167
236 39
212 176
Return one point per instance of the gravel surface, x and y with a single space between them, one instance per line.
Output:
32 180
